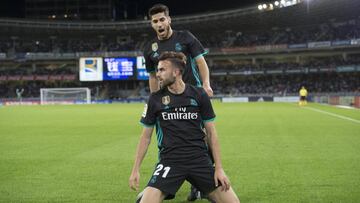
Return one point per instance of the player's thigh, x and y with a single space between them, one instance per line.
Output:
168 178
201 174
152 195
219 195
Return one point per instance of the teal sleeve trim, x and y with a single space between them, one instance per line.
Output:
200 55
209 120
159 134
195 72
146 126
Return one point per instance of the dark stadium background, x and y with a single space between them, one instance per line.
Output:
252 51
136 8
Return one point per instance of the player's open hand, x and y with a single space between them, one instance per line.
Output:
208 90
221 177
134 180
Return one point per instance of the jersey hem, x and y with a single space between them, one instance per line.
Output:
209 120
146 125
202 54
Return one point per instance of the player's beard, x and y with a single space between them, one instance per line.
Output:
167 82
165 34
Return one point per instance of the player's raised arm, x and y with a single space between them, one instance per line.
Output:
140 154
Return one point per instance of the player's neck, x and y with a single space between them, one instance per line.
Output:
177 87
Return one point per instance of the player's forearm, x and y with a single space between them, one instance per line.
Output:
141 151
204 71
214 145
153 83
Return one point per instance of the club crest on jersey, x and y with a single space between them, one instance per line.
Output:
166 100
178 47
154 46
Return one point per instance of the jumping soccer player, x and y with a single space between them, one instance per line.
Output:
179 110
196 72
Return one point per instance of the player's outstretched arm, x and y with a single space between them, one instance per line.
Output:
153 82
140 154
205 75
219 175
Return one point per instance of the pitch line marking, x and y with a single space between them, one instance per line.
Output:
334 115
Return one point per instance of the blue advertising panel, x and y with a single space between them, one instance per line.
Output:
119 68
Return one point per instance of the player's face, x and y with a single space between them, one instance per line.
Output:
165 74
161 24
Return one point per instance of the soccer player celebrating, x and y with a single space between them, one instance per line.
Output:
178 110
196 72
303 94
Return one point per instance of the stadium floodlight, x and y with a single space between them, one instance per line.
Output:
65 96
278 4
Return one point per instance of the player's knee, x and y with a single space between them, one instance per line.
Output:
152 195
232 198
226 197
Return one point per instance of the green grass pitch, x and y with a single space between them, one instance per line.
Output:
272 152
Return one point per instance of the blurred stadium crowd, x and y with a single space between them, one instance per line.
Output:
290 35
283 85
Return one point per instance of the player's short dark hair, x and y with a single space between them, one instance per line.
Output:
158 8
178 59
